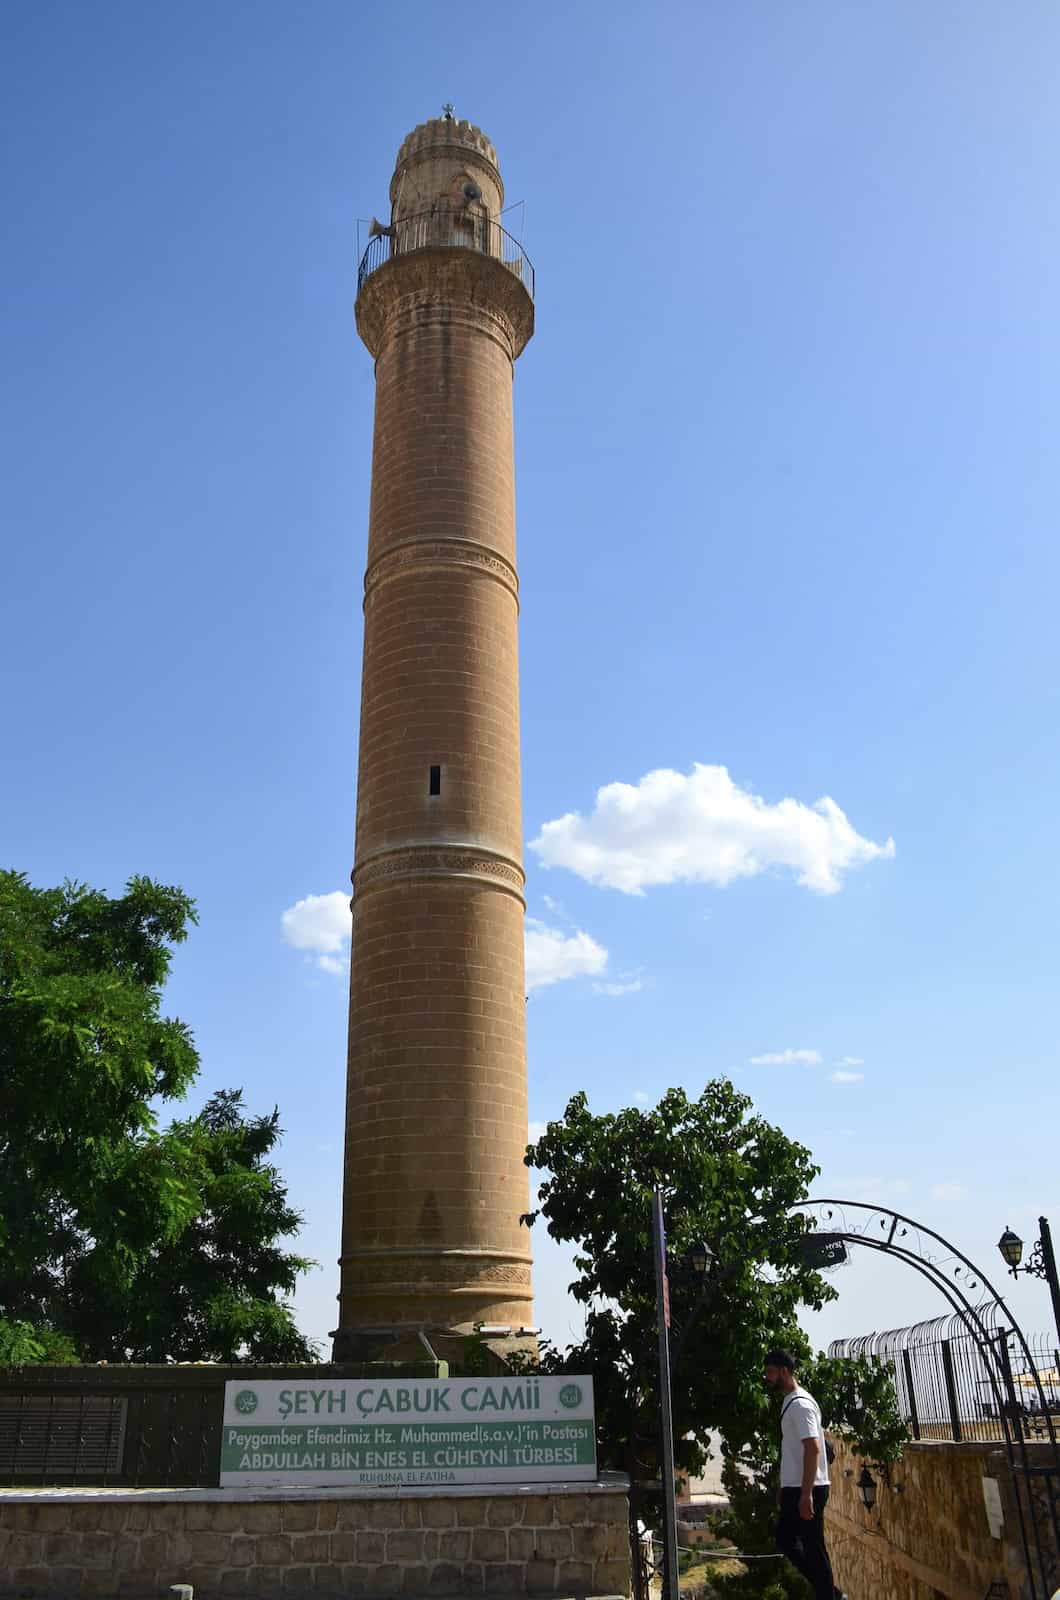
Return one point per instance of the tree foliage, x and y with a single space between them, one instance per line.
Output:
731 1179
114 1232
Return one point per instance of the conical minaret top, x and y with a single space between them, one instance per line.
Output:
436 1089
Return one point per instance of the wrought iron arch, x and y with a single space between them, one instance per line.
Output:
991 1325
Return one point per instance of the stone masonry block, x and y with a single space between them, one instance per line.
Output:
98 1551
274 1549
309 1547
300 1516
48 1519
264 1517
242 1552
298 1580
522 1544
411 1513
438 1514
471 1513
384 1580
489 1544
327 1516
555 1544
611 1577
56 1550
404 1544
263 1582
234 1580
225 1518
605 1508
136 1584
368 1514
64 1580
164 1518
503 1577
573 1508
342 1547
415 1578
96 1583
370 1548
471 1577
445 1579
597 1541
575 1577
23 1550
211 1549
327 1580
454 1544
504 1513
538 1510
540 1577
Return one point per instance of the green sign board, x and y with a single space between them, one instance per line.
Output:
446 1430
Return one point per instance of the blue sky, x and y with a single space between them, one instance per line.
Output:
786 457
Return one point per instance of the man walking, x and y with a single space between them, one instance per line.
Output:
803 1492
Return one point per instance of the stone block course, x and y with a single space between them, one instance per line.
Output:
542 1545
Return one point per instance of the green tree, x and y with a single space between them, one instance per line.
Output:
729 1178
114 1232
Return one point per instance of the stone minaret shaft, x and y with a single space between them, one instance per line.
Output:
436 1103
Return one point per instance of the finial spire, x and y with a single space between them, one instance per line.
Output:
448 111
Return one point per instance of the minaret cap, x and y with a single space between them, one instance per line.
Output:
441 133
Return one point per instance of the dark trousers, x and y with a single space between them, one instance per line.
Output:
803 1542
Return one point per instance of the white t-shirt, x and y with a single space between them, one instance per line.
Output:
800 1419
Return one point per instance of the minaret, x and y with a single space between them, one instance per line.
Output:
436 1096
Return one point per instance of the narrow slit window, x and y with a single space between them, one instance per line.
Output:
434 783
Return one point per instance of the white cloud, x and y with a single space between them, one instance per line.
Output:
641 1098
552 956
948 1191
873 1190
852 1061
536 1131
632 987
701 827
787 1058
320 924
847 1077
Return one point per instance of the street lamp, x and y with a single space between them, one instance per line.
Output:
700 1257
1041 1263
867 1488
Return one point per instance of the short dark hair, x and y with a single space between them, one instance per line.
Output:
780 1358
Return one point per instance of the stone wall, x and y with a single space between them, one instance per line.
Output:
928 1537
132 1544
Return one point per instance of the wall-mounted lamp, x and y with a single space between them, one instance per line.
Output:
867 1488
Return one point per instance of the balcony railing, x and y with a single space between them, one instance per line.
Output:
447 230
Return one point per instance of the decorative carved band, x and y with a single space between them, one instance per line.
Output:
440 861
481 285
422 554
434 1272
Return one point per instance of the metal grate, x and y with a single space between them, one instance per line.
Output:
41 1435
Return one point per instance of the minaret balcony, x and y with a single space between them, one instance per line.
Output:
446 229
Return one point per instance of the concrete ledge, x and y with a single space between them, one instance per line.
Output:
611 1483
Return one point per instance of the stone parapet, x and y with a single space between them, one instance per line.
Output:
928 1536
538 1540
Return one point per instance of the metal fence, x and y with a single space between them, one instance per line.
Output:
947 1391
129 1426
447 228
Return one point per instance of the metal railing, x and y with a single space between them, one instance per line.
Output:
130 1426
447 228
945 1390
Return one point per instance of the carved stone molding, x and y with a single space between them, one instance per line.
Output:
421 554
451 279
439 861
384 1276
